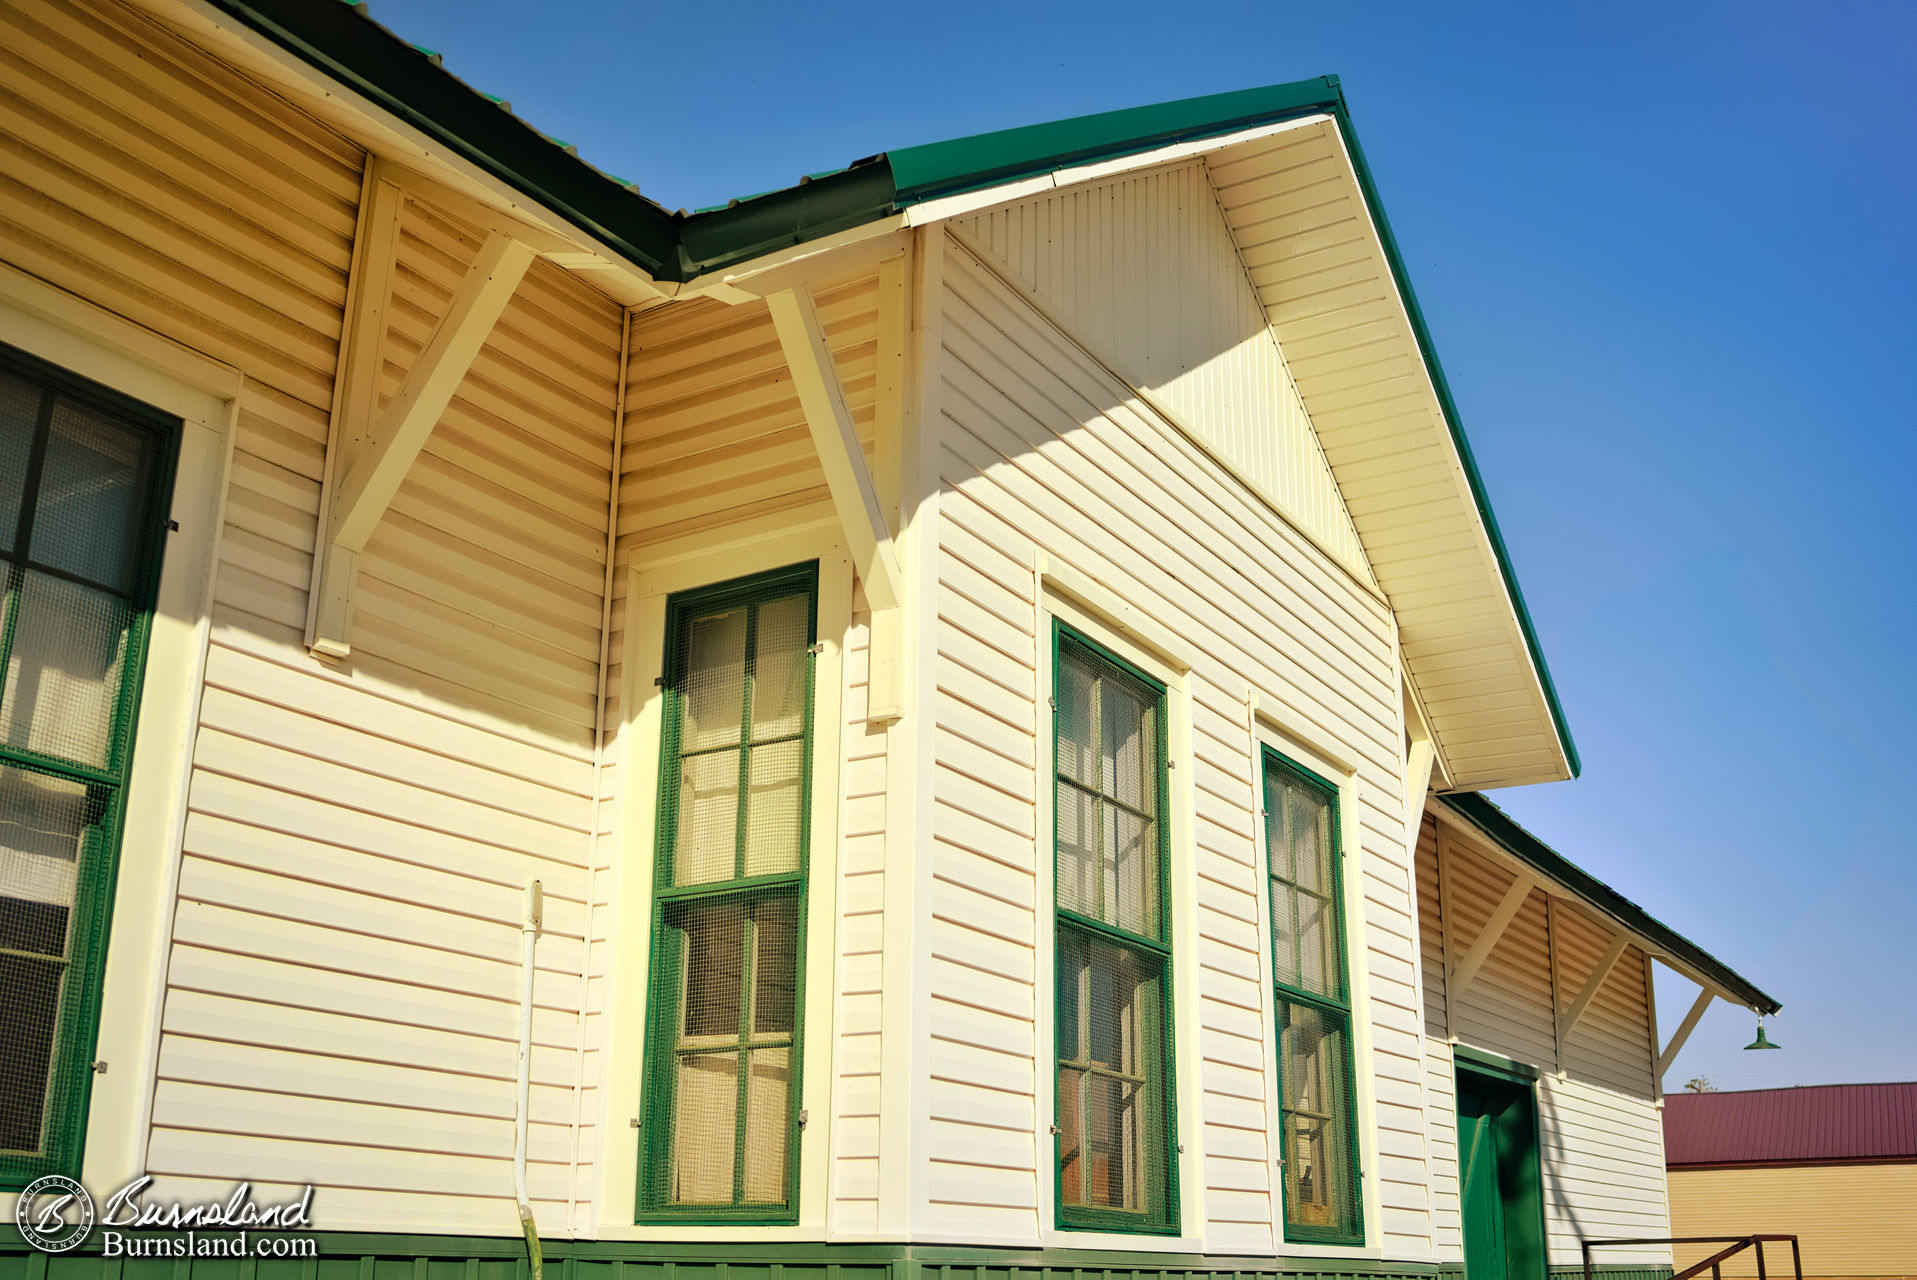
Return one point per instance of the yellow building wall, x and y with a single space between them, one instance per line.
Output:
1851 1220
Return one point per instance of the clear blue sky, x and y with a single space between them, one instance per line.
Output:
1667 255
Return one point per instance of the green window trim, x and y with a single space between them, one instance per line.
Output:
1141 947
1331 1006
753 904
66 1087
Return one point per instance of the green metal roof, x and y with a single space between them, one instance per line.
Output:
339 40
1554 866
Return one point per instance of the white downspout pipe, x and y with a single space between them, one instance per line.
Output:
529 931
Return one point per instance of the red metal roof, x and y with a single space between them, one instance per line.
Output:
1812 1123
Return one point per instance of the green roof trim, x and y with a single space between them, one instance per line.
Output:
343 43
989 159
1502 830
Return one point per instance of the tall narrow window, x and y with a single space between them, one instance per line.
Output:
728 939
1318 1139
1114 1106
82 478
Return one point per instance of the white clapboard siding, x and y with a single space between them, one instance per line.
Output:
140 175
1598 1121
1143 270
1043 450
343 982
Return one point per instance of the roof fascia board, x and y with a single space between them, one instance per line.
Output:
934 210
436 110
780 220
860 249
1478 814
1434 371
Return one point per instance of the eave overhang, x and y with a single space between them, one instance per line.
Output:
1487 737
1659 939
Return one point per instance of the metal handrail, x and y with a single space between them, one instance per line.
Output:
1737 1245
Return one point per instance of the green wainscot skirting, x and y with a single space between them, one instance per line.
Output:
348 1256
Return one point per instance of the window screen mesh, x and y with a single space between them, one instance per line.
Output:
732 861
78 507
1114 1051
1304 910
733 962
1315 1073
1109 858
1112 1118
1313 1015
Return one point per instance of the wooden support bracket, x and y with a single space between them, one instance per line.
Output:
1473 960
1606 963
1683 1032
854 496
368 459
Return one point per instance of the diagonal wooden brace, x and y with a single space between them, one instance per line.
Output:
1473 960
364 482
854 496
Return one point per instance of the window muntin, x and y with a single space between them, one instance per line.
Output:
1318 1135
1115 1123
722 1078
83 474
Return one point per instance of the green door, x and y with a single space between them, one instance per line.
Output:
1502 1197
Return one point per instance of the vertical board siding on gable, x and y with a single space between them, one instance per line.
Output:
343 981
713 435
1143 271
1042 450
1599 1130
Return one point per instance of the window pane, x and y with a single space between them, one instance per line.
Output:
1080 861
1131 872
1315 1066
1109 763
780 680
775 965
706 1097
1073 1189
1129 742
63 676
774 825
768 1117
19 413
1077 742
712 688
1111 1086
1284 932
706 841
712 938
29 1017
1317 945
86 512
43 821
1310 837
